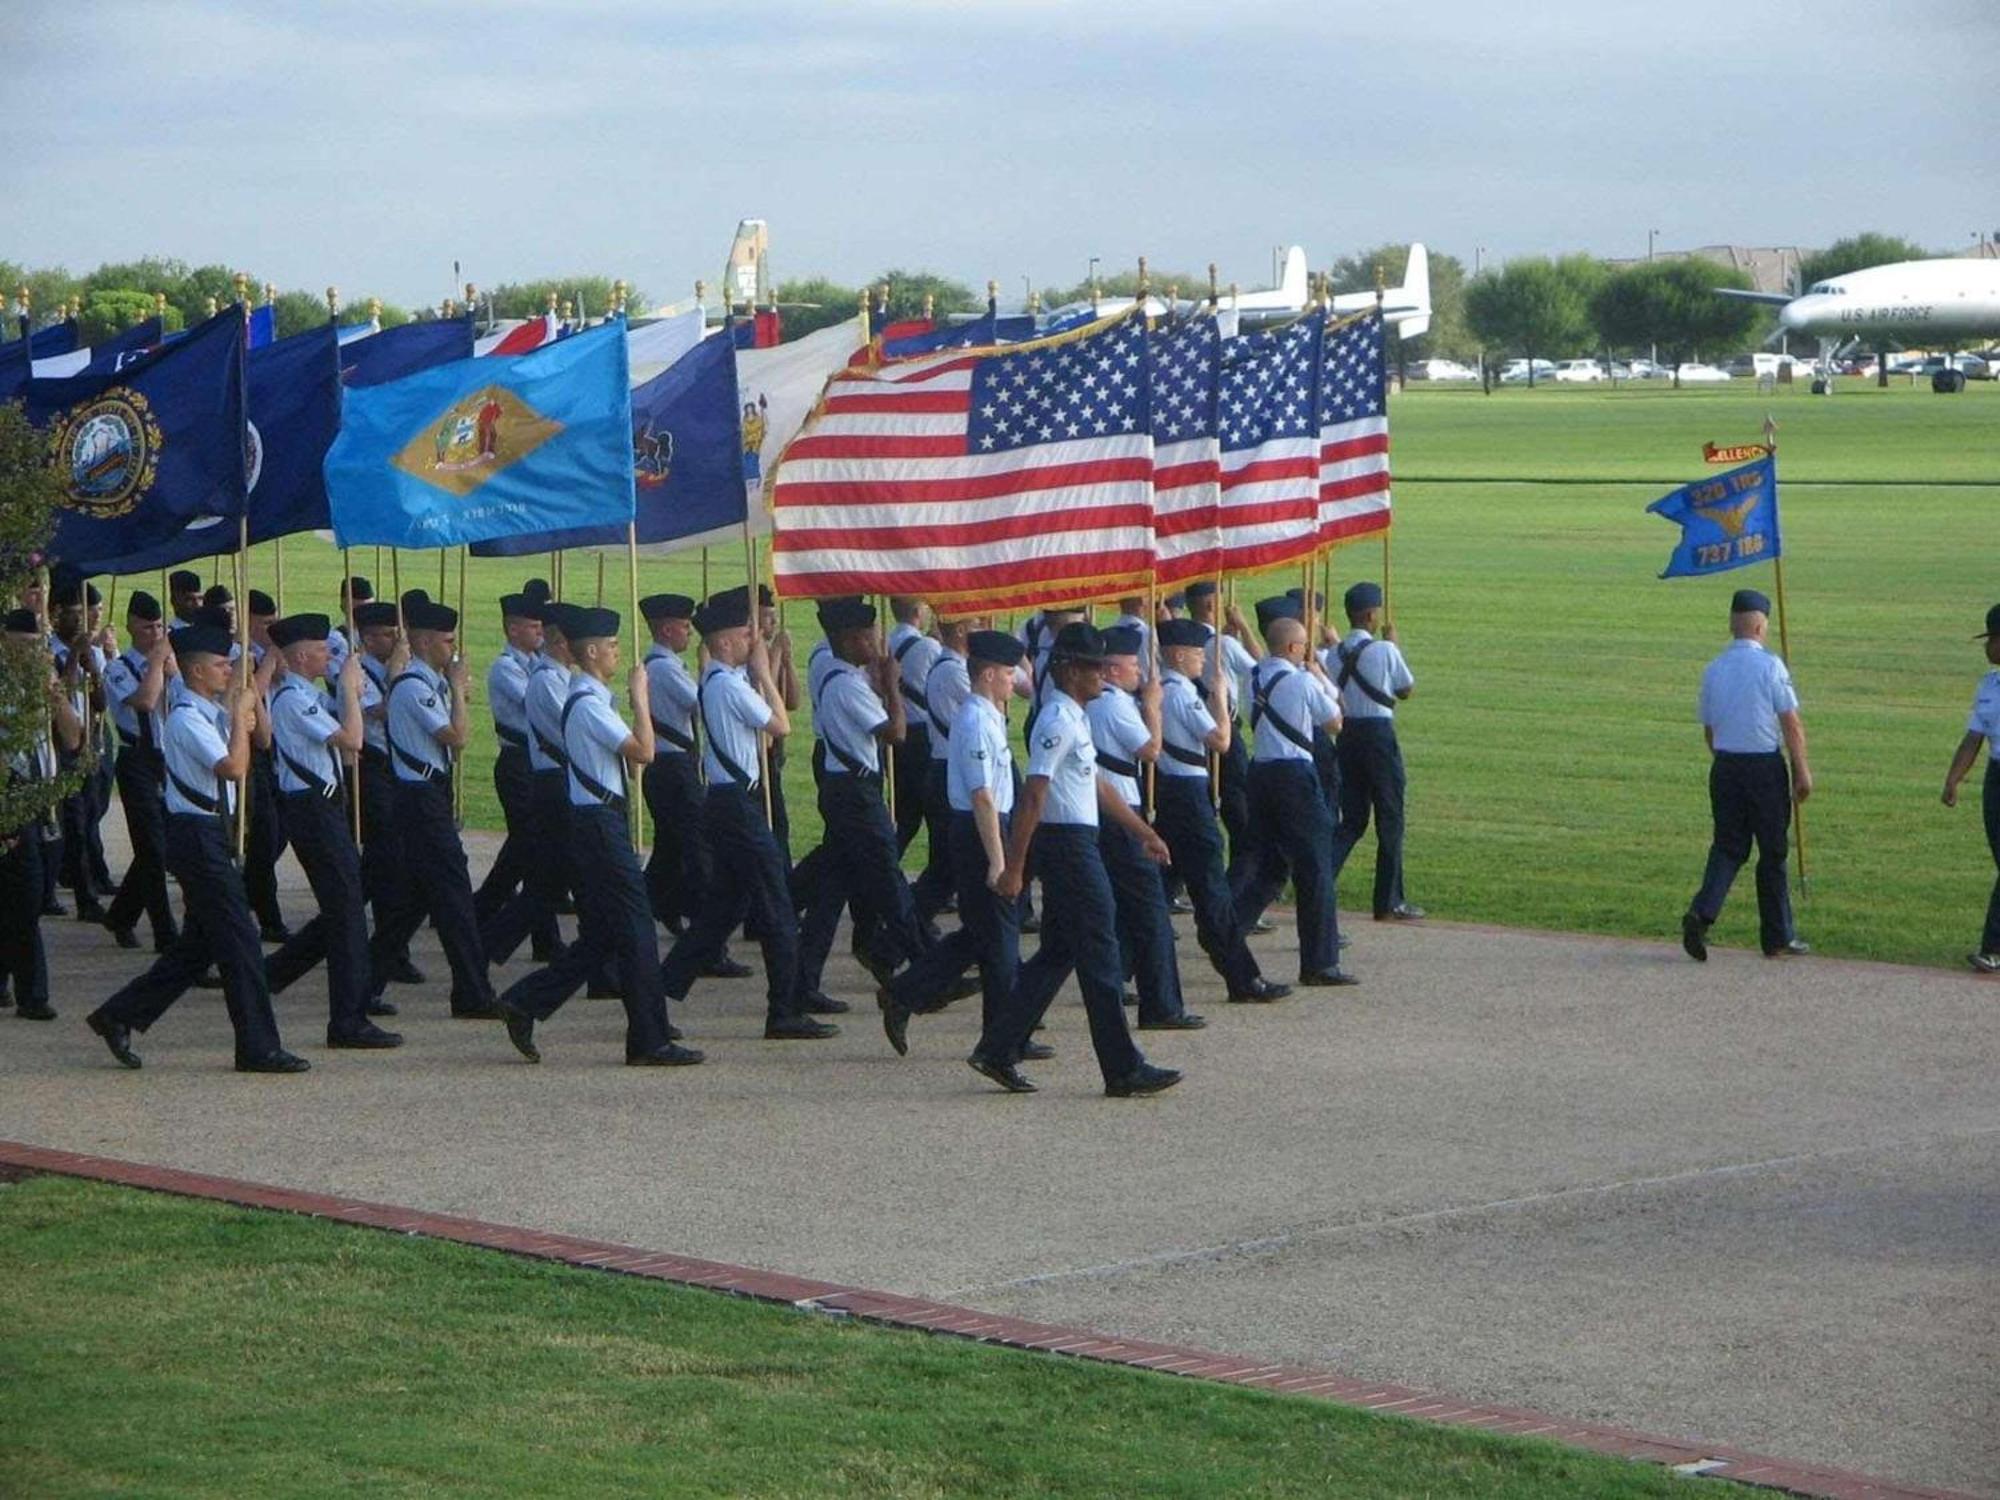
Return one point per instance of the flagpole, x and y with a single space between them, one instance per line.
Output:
396 587
458 761
600 578
353 645
756 635
1785 640
1221 666
243 669
634 776
889 754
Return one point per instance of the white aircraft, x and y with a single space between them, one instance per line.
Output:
1405 308
1947 304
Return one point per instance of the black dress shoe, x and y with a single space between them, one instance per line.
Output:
565 907
965 987
521 1032
1694 937
486 1012
674 1033
1006 1075
124 937
377 1006
35 1012
799 1029
402 971
1326 979
1180 906
275 932
117 1036
1984 963
162 944
54 909
950 907
1796 948
280 1061
87 910
1402 913
1262 924
1034 1051
895 1023
1185 1021
1144 1079
603 992
1343 943
1128 998
1261 992
727 968
818 1004
208 981
544 955
365 1038
1030 925
667 1056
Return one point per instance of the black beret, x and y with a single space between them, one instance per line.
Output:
217 594
214 615
372 615
996 647
1079 641
23 622
1201 588
667 607
1747 601
1121 640
143 606
295 628
723 611
201 639
424 615
1284 607
765 597
836 615
180 582
591 624
1992 624
262 604
1176 601
518 607
1183 633
537 589
563 617
1362 596
357 589
1298 595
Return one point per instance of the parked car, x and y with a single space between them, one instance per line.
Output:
1580 372
1972 366
1699 374
1441 369
1642 369
1515 371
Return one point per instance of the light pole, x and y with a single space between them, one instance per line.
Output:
1027 291
1652 350
1092 279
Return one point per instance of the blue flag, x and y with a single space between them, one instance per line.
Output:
263 326
686 458
1729 521
145 450
486 448
45 343
294 413
376 358
980 333
122 348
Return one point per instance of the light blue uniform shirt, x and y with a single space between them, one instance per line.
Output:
846 715
979 757
593 735
197 736
670 690
1986 708
1185 725
947 688
419 706
915 653
819 661
1742 693
1380 664
507 692
1061 749
374 693
1300 699
336 654
1237 665
548 690
303 719
122 679
1145 629
734 713
1117 729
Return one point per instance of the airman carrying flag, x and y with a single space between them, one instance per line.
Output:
489 447
1729 521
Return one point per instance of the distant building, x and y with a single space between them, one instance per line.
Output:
1770 268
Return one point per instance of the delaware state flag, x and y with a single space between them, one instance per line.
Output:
489 447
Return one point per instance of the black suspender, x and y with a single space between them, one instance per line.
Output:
584 779
1350 671
1260 707
735 772
910 689
313 782
853 763
424 769
208 802
938 725
1167 747
670 734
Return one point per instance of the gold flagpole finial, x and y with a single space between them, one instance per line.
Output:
333 302
160 302
471 296
618 295
1035 303
1145 283
568 311
701 294
552 301
374 309
26 297
1381 285
270 292
1213 298
242 282
930 305
992 290
213 307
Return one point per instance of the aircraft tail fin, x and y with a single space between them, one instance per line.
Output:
1415 292
1294 284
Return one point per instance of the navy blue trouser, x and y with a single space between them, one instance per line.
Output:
1749 796
23 960
1233 788
1079 935
1145 927
513 783
1186 820
913 769
1292 837
934 883
677 869
264 843
141 781
619 919
857 861
1372 781
750 874
385 873
1989 941
988 934
443 890
532 909
317 829
218 930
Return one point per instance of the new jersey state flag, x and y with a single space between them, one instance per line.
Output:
486 448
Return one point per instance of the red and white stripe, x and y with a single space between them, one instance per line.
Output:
880 495
1269 506
1187 494
519 339
1353 479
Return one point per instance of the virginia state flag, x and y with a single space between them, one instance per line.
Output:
486 448
145 450
377 356
1729 521
686 458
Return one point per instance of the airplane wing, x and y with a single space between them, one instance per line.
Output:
1774 299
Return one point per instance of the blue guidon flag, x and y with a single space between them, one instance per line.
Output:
1728 521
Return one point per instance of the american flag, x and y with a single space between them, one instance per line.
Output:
1354 433
1003 476
1270 445
1187 451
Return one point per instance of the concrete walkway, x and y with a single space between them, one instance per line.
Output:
1756 1203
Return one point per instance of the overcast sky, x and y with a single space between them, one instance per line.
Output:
370 144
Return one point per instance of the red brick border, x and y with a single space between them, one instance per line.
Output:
886 1308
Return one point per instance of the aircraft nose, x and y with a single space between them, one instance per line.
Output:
1794 312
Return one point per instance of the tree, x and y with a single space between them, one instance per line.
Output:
1672 303
48 287
814 303
1125 283
1448 336
1534 307
111 310
908 289
591 295
1857 253
30 490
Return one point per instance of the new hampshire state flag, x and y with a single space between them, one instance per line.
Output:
486 448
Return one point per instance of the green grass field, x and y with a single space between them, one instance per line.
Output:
1557 774
166 1347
